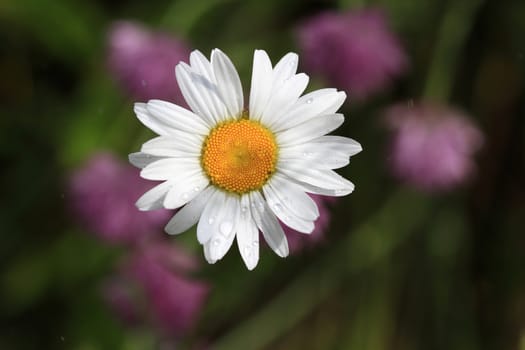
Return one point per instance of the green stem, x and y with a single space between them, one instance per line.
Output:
452 34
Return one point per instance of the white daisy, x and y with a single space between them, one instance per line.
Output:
235 172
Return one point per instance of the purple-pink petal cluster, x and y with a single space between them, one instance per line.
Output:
356 51
143 61
102 195
432 146
155 282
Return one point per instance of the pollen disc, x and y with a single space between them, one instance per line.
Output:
239 156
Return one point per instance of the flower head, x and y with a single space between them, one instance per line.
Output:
235 171
102 194
142 61
432 146
355 51
155 281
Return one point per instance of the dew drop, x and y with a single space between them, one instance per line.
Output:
310 100
196 188
255 243
211 220
278 207
244 212
307 154
225 228
216 242
185 196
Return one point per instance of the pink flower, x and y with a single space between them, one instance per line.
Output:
103 194
355 51
143 62
432 146
298 241
156 277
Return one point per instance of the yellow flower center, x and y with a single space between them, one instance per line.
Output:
239 156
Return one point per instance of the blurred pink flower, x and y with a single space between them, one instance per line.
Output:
153 283
103 194
356 51
143 61
298 241
432 146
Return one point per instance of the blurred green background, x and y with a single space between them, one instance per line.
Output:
399 268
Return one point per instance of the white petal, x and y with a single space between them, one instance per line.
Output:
185 189
153 198
310 130
326 179
177 117
188 215
203 71
338 143
140 159
284 97
170 168
200 65
262 82
179 144
147 119
313 155
285 68
284 213
218 217
247 235
267 222
207 254
320 190
224 230
228 82
294 197
316 103
200 94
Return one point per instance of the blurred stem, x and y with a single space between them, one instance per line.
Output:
368 245
181 16
455 26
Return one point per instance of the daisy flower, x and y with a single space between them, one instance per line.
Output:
236 171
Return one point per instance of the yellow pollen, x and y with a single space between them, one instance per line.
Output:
239 156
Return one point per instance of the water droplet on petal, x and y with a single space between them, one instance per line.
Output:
255 243
225 228
278 207
196 189
310 100
211 220
185 196
244 212
216 242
